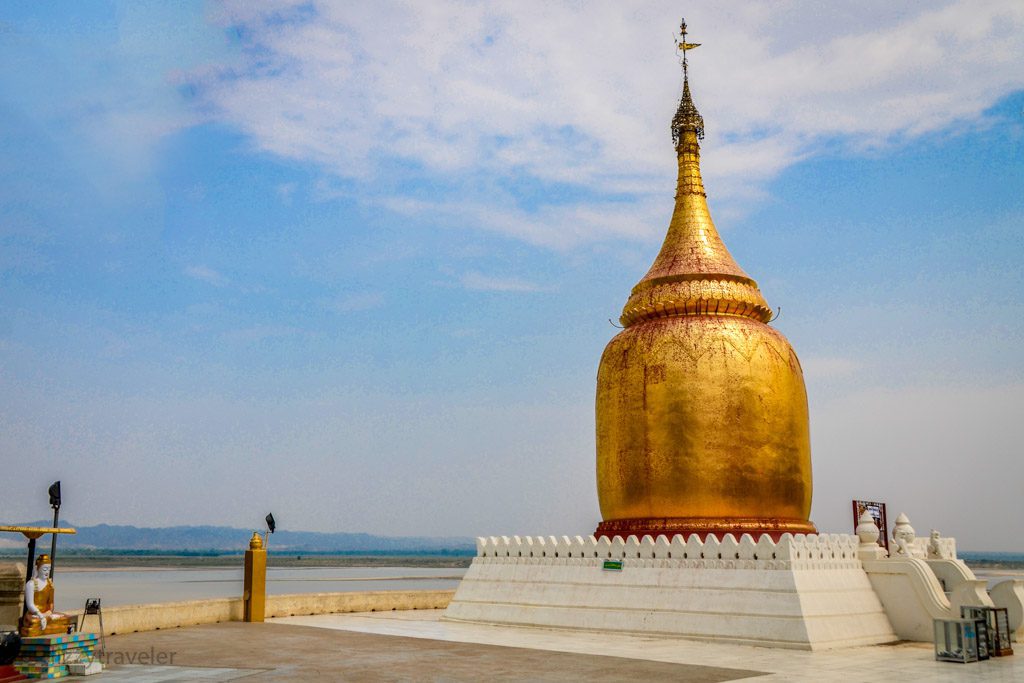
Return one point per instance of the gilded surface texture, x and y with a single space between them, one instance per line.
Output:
702 417
702 422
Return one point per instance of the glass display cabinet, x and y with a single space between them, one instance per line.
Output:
956 640
997 628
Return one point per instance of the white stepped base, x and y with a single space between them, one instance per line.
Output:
807 593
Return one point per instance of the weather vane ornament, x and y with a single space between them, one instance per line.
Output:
687 116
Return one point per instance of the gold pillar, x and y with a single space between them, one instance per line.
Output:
255 581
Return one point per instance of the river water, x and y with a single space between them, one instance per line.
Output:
148 585
141 586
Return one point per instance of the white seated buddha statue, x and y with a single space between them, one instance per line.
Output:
40 619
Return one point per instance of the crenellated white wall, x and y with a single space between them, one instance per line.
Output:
825 551
807 592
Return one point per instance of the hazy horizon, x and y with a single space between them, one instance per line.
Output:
356 264
12 546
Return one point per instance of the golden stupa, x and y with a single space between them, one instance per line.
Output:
701 408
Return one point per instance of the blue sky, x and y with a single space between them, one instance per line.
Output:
356 265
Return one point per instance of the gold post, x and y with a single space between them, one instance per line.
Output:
255 580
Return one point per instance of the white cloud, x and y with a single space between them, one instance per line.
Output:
487 283
582 95
207 275
557 227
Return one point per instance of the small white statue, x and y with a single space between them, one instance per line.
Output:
935 550
902 538
40 618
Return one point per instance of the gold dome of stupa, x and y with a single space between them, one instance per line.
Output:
702 420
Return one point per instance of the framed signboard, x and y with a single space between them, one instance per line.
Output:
877 512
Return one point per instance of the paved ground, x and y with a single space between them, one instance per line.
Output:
905 663
137 673
418 646
285 652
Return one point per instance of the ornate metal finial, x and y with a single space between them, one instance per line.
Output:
687 116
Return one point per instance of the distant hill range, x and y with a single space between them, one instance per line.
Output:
229 539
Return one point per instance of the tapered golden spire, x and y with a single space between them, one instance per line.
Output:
694 273
701 412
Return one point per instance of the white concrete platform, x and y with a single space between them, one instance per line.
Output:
906 663
807 592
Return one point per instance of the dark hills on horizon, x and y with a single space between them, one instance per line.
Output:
230 539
